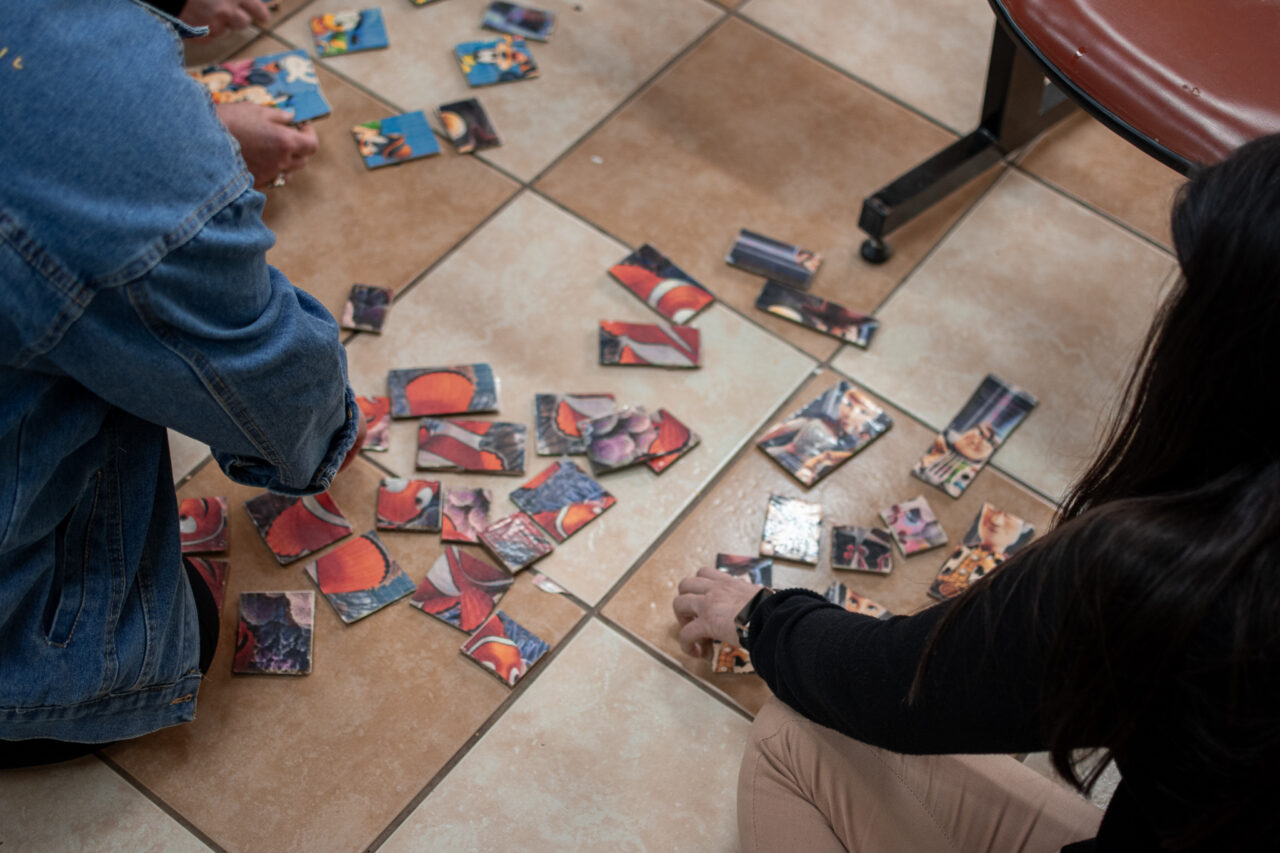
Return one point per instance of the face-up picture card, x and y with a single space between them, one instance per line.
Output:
818 314
517 20
758 570
812 442
337 33
516 541
773 259
730 660
960 451
377 416
662 285
674 440
914 526
464 514
649 345
792 529
618 440
556 418
295 527
395 139
284 80
994 536
461 589
505 648
458 390
500 60
562 499
468 126
202 525
491 447
863 549
214 572
274 633
359 577
366 308
408 504
840 594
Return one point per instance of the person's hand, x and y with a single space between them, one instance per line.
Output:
223 15
362 430
706 607
269 144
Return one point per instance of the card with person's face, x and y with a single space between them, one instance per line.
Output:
813 441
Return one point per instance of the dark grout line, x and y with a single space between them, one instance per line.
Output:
160 803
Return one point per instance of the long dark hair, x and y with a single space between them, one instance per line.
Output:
1167 652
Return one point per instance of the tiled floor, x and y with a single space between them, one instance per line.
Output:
674 122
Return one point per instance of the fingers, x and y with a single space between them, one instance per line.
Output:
686 607
236 19
257 11
696 584
711 573
694 638
307 142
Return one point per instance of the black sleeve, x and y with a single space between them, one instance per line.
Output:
169 7
853 673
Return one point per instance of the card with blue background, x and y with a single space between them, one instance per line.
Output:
500 60
337 33
285 80
395 139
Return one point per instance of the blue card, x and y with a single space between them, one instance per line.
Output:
285 80
348 32
498 61
395 139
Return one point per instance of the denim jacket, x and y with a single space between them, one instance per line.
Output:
134 295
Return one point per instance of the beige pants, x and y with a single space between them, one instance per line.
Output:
804 788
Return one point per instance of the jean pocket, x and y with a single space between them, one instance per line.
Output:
71 563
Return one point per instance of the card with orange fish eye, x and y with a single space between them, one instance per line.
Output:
662 285
359 577
649 345
489 447
516 541
214 574
758 570
556 418
505 648
406 504
994 537
295 527
461 590
202 525
674 438
458 390
863 549
618 440
792 529
464 514
377 416
274 634
840 594
562 499
914 526
730 660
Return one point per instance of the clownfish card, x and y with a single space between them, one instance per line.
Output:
516 541
556 418
461 589
464 514
562 499
458 390
649 344
295 527
408 504
489 447
377 417
202 525
359 577
663 286
366 308
674 440
505 648
395 139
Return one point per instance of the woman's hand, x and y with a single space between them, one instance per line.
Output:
706 607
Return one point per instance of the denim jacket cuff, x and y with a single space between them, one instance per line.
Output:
184 30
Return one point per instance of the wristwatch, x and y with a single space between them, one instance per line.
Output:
743 620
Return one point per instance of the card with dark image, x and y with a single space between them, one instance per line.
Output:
662 285
366 308
202 525
461 589
468 126
516 541
465 514
556 418
773 259
490 447
792 529
812 442
758 570
295 527
863 549
562 499
649 344
840 594
818 314
359 578
395 139
408 504
505 648
274 633
994 536
517 20
914 526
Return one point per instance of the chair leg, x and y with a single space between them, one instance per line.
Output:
1018 105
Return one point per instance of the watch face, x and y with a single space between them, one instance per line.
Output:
743 620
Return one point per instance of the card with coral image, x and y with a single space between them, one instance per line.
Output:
274 634
562 499
819 314
773 259
377 418
961 450
366 308
458 390
792 529
360 577
994 537
395 139
841 595
730 660
408 504
468 126
490 447
862 549
619 440
649 345
501 60
283 80
202 525
758 570
337 33
214 573
914 526
674 438
556 418
461 589
662 285
516 540
295 527
505 648
517 20
815 440
464 514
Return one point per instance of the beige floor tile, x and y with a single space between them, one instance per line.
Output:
525 294
600 51
729 519
185 454
1083 157
1039 291
745 131
83 805
326 761
931 54
609 750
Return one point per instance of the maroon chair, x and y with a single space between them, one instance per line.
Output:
1187 81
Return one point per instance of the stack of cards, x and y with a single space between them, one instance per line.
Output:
556 418
562 499
284 80
395 139
468 127
505 648
274 633
518 20
914 526
863 549
663 286
295 527
461 589
492 447
648 344
457 390
993 537
818 314
405 504
501 60
366 308
781 262
202 525
337 33
377 416
840 594
516 541
619 440
792 529
359 578
813 441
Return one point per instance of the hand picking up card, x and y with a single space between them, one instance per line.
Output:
994 536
